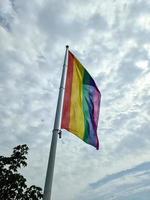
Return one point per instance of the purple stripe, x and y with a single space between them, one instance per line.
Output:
92 100
97 101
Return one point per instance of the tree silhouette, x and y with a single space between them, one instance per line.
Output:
12 184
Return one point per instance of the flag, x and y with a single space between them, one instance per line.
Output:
81 103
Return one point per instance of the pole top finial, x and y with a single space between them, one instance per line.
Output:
67 46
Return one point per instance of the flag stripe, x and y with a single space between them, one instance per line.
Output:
89 110
68 92
76 111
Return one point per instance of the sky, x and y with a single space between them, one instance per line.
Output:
111 38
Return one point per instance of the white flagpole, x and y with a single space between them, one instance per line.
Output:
56 131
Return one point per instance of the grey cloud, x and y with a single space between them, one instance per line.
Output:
121 120
139 168
131 29
5 22
139 7
97 22
128 72
136 141
6 16
122 185
57 25
64 26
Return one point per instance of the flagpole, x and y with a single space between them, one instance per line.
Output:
56 131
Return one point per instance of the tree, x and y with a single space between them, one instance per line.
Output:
12 184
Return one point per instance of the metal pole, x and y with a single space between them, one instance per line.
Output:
56 131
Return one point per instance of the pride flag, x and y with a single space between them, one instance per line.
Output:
81 103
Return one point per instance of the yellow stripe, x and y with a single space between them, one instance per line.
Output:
76 110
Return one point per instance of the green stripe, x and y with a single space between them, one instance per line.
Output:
85 106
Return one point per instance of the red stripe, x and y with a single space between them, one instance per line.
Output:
67 97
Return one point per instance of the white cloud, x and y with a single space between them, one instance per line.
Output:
111 39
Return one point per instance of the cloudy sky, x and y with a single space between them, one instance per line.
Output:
112 40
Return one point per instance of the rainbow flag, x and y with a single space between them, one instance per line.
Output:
81 103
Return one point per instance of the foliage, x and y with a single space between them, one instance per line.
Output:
12 184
